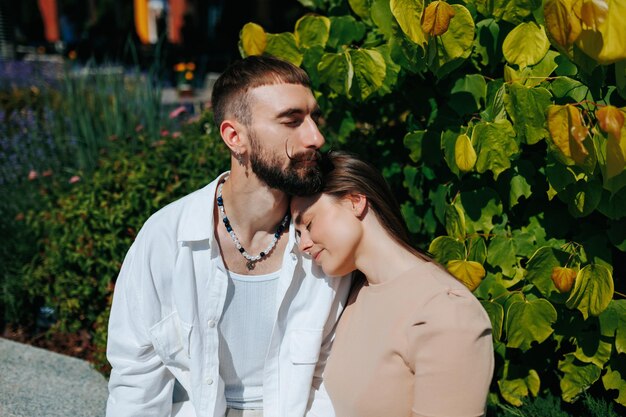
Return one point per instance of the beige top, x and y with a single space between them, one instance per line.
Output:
417 345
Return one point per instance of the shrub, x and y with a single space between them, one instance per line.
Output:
85 233
502 126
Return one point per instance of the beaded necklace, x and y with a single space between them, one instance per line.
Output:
252 260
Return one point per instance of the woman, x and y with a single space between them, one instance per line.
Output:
413 341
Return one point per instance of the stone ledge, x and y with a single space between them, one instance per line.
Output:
35 382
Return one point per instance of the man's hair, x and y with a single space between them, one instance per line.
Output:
230 91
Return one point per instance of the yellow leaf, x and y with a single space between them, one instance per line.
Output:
593 12
563 278
469 273
568 132
611 120
562 21
615 161
464 153
436 18
408 14
525 45
253 39
606 43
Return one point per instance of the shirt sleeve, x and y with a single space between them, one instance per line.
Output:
450 351
140 384
320 404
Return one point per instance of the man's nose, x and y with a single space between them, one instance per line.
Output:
313 137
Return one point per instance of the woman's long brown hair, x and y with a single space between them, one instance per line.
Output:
345 174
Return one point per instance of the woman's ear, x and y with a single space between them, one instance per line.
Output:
358 203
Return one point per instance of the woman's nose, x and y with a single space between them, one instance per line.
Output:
305 243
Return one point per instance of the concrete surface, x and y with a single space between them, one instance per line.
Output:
38 383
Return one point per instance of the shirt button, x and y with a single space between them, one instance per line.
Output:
209 381
211 323
293 256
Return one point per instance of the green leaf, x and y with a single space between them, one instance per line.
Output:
578 377
445 249
413 141
369 71
283 45
525 45
513 11
615 379
565 87
615 183
520 182
312 57
312 30
477 249
534 74
495 110
583 197
559 176
480 207
593 290
528 322
496 146
450 49
448 145
455 222
467 94
361 8
502 254
492 287
527 107
486 45
382 17
336 71
514 391
591 345
392 70
344 30
408 14
539 271
496 316
406 53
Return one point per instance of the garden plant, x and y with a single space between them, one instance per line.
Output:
511 167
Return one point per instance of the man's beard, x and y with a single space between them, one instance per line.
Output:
292 180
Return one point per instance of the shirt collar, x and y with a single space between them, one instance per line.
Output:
197 218
197 221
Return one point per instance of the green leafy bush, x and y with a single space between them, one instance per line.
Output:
501 126
85 232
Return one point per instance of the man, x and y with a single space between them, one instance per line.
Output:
215 312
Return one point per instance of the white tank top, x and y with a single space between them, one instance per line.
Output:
245 329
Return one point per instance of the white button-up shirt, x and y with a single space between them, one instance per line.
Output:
163 326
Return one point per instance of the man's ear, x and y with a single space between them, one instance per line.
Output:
358 203
231 132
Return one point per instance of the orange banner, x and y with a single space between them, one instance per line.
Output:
141 20
177 10
50 16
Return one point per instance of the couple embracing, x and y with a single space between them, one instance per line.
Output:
288 285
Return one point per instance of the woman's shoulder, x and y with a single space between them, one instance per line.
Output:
443 299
